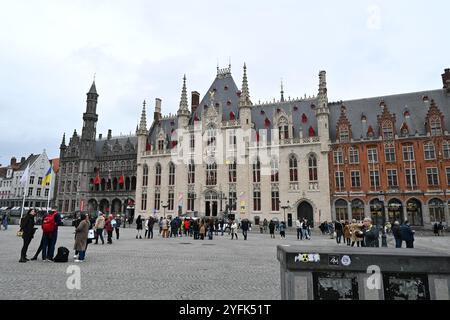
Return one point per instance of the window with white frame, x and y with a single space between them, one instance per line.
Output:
429 151
433 177
374 178
435 126
339 178
338 157
356 179
312 167
372 154
446 150
354 155
408 153
392 178
411 178
389 152
293 168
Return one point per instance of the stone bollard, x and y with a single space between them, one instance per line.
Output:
333 273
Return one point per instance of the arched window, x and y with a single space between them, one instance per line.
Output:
232 174
211 137
341 207
171 174
283 128
191 172
429 151
312 165
436 208
387 130
158 175
274 170
435 126
257 171
145 176
293 168
211 174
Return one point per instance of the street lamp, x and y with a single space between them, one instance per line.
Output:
164 206
284 210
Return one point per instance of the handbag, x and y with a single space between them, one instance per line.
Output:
19 234
91 234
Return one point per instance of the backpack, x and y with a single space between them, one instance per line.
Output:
49 224
62 255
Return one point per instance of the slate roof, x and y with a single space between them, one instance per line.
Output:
122 141
396 104
30 160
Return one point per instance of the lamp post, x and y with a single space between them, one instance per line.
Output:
164 206
284 210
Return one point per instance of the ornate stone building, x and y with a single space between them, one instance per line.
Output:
390 157
97 173
227 154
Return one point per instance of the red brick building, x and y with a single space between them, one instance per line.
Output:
390 157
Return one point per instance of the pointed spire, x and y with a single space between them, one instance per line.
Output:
184 102
63 143
93 89
323 93
282 91
245 93
143 124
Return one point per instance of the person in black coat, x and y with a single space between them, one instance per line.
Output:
407 234
245 225
397 235
371 234
27 228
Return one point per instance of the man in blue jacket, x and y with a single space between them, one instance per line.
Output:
407 234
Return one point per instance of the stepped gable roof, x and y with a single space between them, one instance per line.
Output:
401 105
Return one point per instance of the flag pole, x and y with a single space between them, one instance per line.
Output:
49 190
24 194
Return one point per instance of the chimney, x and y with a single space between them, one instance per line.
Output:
22 160
109 134
195 100
13 161
157 115
446 80
100 136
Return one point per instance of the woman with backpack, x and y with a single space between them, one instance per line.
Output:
139 227
81 237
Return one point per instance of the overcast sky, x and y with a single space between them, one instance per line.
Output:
50 51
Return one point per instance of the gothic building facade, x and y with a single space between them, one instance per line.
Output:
97 173
228 155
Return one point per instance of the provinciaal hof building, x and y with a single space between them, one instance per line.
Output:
222 153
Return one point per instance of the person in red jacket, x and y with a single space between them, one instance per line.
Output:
109 228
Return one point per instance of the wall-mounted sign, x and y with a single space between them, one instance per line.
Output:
346 261
333 260
307 257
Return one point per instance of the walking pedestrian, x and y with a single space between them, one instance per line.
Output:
109 228
245 225
397 234
27 228
407 234
117 226
202 230
233 229
338 228
5 220
347 234
81 237
165 228
139 227
150 224
272 229
282 228
298 225
305 230
99 226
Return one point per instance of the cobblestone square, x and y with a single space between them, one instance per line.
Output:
176 268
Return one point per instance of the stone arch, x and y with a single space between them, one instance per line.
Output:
414 211
341 209
305 210
104 206
116 206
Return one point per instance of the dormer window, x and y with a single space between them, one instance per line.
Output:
344 135
387 130
160 145
435 126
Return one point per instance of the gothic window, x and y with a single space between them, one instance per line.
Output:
157 205
293 168
283 129
211 137
171 174
211 174
429 151
190 201
312 166
232 171
144 201
256 200
275 199
191 172
435 126
160 145
171 200
274 170
158 175
257 171
192 142
145 176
